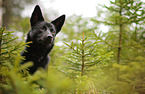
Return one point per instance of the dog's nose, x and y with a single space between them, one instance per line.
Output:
49 37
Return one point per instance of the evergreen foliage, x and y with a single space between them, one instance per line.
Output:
125 17
86 63
86 56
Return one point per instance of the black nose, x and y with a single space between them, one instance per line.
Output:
49 37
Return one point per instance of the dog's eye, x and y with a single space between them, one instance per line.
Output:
43 28
52 30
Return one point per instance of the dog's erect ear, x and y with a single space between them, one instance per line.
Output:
58 23
36 16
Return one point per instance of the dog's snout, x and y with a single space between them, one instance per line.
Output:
49 36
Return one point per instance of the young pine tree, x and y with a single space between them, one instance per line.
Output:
124 18
87 55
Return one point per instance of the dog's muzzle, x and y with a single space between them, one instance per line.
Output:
47 40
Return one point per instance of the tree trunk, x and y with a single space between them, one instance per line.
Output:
120 44
7 5
1 13
120 35
83 57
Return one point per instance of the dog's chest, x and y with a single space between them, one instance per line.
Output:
41 59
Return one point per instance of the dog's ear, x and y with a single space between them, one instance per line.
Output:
36 16
58 23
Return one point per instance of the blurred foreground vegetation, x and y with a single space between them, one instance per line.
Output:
89 61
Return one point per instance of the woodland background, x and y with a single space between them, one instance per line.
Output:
84 60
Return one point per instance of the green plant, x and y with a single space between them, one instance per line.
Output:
86 56
125 18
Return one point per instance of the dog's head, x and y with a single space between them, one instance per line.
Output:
43 32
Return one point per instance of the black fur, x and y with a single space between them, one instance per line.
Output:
42 35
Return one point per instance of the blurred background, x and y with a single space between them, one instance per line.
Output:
100 49
14 11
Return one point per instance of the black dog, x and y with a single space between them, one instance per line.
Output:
42 35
